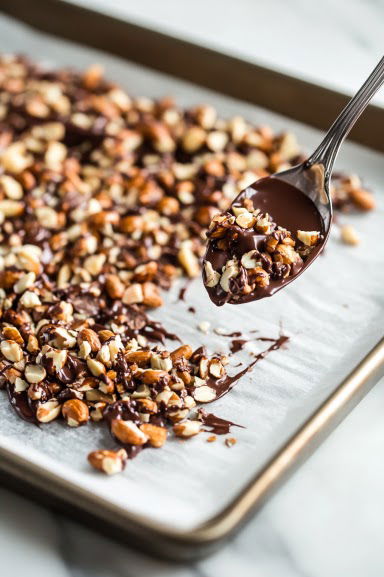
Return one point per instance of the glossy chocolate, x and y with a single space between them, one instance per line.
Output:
237 345
128 411
183 291
20 403
215 424
290 209
225 384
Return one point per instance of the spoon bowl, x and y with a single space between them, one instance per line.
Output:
297 200
279 225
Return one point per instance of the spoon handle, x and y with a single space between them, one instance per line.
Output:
327 151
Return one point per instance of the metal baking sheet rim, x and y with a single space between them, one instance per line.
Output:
51 489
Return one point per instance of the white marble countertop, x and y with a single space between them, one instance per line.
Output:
327 521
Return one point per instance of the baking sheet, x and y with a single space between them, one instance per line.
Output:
333 313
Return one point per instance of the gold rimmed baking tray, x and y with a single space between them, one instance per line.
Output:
210 69
52 490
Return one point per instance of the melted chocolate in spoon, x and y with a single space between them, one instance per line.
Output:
290 209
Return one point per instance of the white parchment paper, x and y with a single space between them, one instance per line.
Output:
333 313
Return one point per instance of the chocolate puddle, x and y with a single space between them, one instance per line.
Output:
215 424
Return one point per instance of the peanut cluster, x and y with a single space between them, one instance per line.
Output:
104 200
279 254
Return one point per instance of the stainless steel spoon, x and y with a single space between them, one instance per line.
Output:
311 178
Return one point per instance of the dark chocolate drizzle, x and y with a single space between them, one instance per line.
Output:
155 331
225 384
183 291
234 334
215 424
20 403
238 345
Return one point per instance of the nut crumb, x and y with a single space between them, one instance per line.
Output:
230 441
108 462
349 235
204 327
